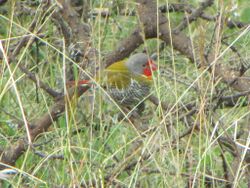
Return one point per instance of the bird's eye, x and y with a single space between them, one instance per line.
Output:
144 65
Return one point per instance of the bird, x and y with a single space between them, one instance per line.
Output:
128 82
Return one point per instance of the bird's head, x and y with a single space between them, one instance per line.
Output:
141 64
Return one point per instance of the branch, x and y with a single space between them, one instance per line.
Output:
194 15
41 125
29 40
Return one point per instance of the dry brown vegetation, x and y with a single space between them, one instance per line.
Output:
195 129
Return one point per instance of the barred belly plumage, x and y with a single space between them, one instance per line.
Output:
131 95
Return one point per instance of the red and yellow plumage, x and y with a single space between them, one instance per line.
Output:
128 82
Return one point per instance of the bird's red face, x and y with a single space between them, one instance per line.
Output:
149 68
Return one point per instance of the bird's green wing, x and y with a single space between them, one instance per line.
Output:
117 75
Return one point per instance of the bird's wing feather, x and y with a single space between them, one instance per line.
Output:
117 75
117 67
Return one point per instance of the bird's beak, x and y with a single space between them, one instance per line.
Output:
152 65
149 68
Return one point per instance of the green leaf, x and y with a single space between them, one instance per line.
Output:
245 15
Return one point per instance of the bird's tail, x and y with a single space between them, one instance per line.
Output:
78 83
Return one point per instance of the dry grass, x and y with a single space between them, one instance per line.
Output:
89 144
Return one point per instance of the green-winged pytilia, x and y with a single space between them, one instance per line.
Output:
128 82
